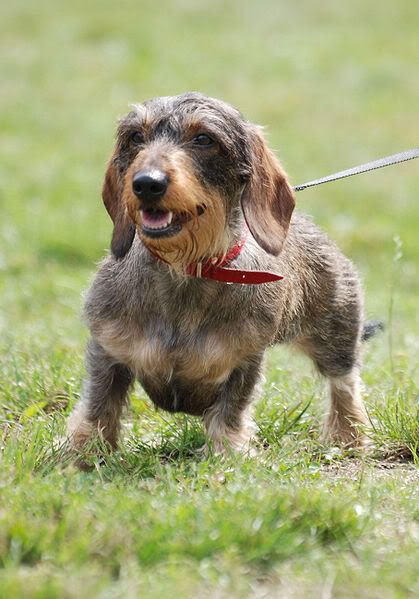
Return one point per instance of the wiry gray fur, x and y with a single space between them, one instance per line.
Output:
151 323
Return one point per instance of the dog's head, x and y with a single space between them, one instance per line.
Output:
184 170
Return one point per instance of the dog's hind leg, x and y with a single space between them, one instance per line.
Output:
347 418
333 341
103 398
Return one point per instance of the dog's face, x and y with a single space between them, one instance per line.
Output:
183 170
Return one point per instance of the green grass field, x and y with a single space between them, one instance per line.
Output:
336 84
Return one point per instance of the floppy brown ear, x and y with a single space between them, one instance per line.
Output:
268 198
124 229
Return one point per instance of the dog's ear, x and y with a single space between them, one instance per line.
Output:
268 199
124 228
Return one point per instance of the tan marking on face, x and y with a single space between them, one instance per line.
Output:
203 236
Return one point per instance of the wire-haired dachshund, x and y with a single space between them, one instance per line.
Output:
209 267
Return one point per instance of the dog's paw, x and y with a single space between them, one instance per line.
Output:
224 448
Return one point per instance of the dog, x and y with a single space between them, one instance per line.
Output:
203 215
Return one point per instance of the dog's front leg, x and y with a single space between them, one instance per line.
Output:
104 394
228 421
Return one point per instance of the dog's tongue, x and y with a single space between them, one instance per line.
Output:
156 219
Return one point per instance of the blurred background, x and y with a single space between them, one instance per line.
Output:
334 83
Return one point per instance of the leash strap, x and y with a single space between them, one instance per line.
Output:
363 168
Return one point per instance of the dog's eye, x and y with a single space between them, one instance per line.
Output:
136 137
203 140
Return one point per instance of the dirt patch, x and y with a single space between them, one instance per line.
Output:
357 469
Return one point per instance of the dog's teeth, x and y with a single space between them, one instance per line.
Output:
156 219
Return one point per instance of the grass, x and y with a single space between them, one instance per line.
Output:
335 83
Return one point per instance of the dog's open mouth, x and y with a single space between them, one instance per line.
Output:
165 223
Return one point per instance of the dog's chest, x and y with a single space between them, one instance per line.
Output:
161 351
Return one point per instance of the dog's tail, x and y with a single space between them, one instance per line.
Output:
371 327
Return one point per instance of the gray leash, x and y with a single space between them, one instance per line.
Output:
363 168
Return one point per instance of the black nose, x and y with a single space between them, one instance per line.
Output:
150 185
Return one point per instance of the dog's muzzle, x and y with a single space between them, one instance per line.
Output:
150 188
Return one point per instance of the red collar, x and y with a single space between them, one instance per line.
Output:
215 269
